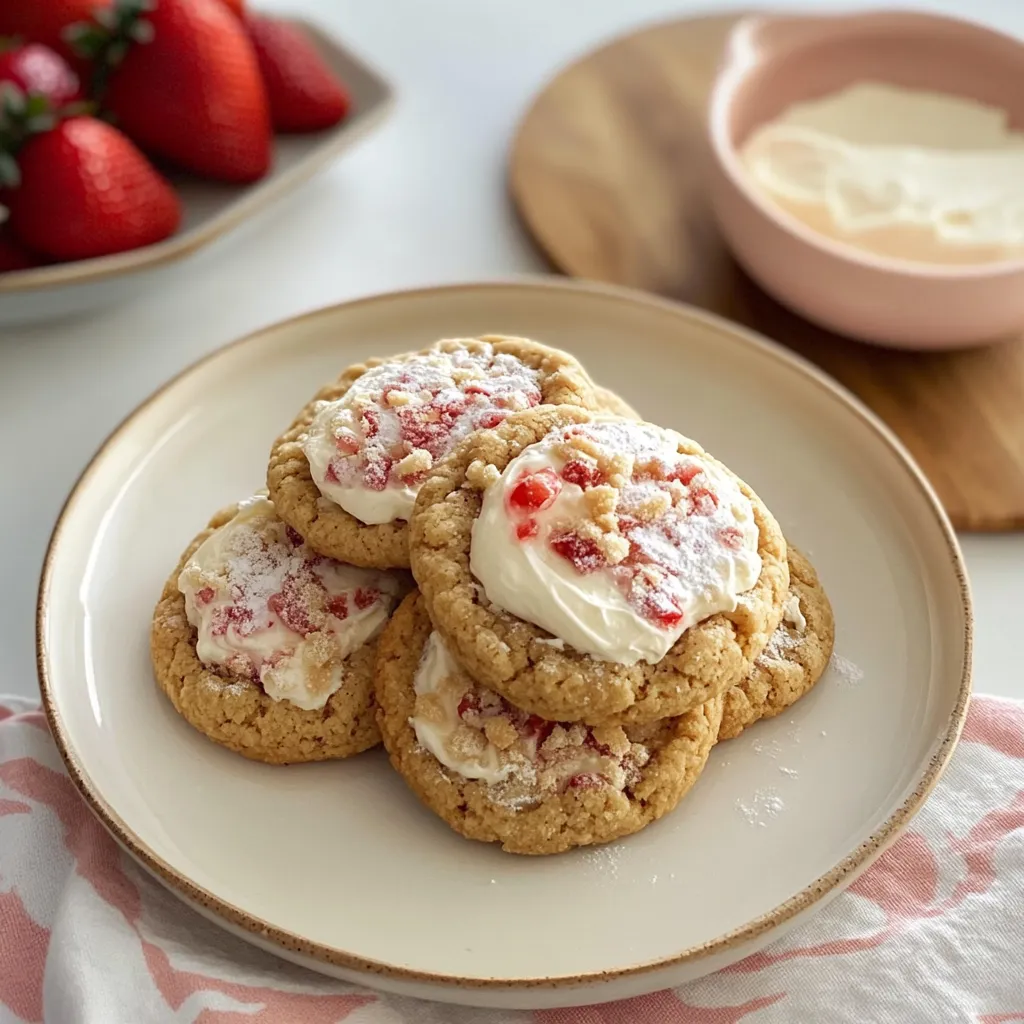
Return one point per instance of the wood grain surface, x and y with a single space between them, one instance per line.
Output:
608 169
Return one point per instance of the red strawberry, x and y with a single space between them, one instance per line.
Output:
87 191
44 21
304 95
13 255
188 88
36 69
237 7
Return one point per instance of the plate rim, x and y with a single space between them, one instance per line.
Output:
842 872
251 200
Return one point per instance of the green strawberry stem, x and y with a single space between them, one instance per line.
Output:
107 38
20 117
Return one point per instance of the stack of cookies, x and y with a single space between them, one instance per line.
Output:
594 601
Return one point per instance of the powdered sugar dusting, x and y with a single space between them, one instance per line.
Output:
780 644
846 671
765 805
769 748
268 609
370 450
605 859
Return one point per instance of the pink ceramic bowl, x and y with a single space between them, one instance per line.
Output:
771 62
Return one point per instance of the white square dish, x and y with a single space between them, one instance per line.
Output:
210 208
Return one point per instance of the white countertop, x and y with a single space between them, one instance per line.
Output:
420 202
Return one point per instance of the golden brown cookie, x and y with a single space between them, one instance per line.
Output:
236 712
793 659
332 531
519 660
544 805
610 402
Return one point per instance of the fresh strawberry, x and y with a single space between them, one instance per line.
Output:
181 79
86 191
36 69
13 255
304 95
45 21
236 6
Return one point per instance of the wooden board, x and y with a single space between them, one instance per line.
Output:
608 170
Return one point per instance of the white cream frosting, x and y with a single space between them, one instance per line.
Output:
250 576
905 173
435 666
589 611
369 450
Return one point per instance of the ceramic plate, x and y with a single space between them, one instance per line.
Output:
337 866
209 208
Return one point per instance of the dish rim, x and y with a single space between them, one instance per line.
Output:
250 201
236 917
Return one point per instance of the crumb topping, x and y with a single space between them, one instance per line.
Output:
522 757
399 418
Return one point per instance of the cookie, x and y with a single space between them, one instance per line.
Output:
610 402
793 659
645 664
268 614
366 441
534 787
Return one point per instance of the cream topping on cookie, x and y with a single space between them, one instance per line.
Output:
369 451
476 733
605 536
267 608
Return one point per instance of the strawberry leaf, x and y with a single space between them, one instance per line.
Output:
10 174
107 38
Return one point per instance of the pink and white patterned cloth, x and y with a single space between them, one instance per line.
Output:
933 932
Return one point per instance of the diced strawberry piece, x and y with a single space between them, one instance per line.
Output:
418 431
601 748
586 780
233 615
584 554
537 729
291 606
703 502
524 531
347 443
338 606
684 472
582 474
371 422
331 475
660 609
731 537
365 596
489 418
451 410
535 491
468 704
205 596
294 536
378 472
